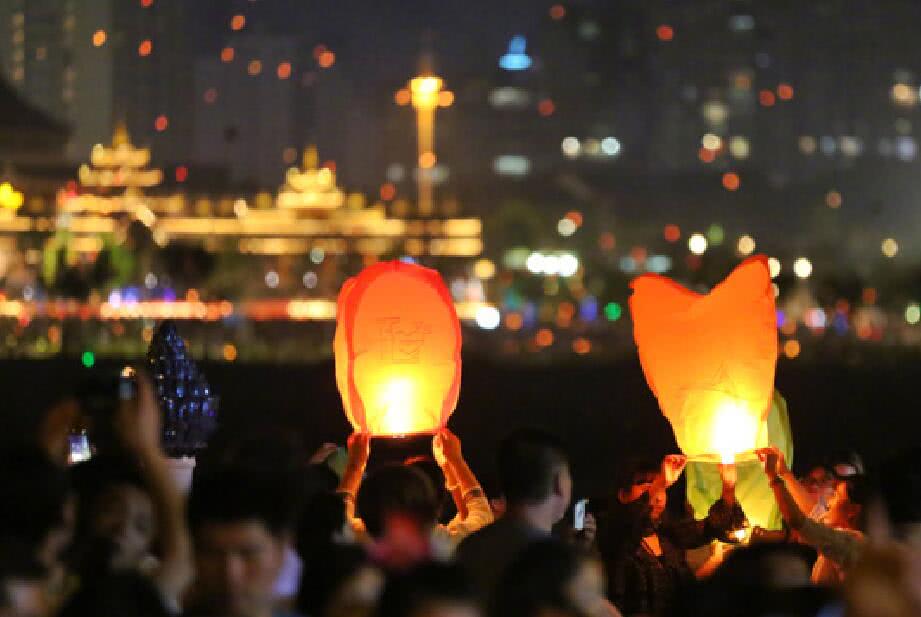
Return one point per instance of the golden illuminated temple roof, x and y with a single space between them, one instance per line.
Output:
309 211
310 187
119 165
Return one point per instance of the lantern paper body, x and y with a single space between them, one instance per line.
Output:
397 348
753 491
709 359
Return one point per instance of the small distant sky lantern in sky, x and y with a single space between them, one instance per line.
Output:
398 350
709 359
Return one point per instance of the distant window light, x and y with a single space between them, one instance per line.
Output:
438 174
850 145
828 145
714 112
627 265
589 30
284 70
659 264
395 173
807 144
570 147
509 97
741 23
511 165
610 146
906 148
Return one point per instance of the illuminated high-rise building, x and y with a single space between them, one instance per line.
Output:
91 64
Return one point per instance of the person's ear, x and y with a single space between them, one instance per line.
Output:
557 486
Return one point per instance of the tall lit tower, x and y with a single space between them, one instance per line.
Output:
426 93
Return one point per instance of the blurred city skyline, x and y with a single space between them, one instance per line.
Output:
576 145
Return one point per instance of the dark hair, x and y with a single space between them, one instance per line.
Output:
443 499
322 517
325 571
536 580
845 457
633 468
93 478
125 594
33 491
751 565
431 583
860 489
741 586
232 495
396 489
527 462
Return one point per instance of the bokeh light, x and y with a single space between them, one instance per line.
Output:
697 244
890 247
802 268
745 245
774 267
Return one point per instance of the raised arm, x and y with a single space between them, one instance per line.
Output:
138 426
359 447
842 547
474 513
804 500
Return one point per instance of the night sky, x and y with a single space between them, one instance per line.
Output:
381 41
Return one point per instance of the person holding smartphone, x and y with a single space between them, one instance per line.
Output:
129 502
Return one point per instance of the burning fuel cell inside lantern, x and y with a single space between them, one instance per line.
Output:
396 399
742 535
734 430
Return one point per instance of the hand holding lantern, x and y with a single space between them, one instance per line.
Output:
672 466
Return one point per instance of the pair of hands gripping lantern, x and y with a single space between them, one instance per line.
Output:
398 350
709 359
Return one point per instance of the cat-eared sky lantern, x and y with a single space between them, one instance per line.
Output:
397 350
710 359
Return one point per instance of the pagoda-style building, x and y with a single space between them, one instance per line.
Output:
310 189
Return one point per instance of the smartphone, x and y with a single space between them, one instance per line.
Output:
127 384
578 514
79 448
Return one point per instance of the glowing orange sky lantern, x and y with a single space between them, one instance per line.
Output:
398 350
710 359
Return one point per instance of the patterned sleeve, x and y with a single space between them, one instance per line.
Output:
479 515
842 546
